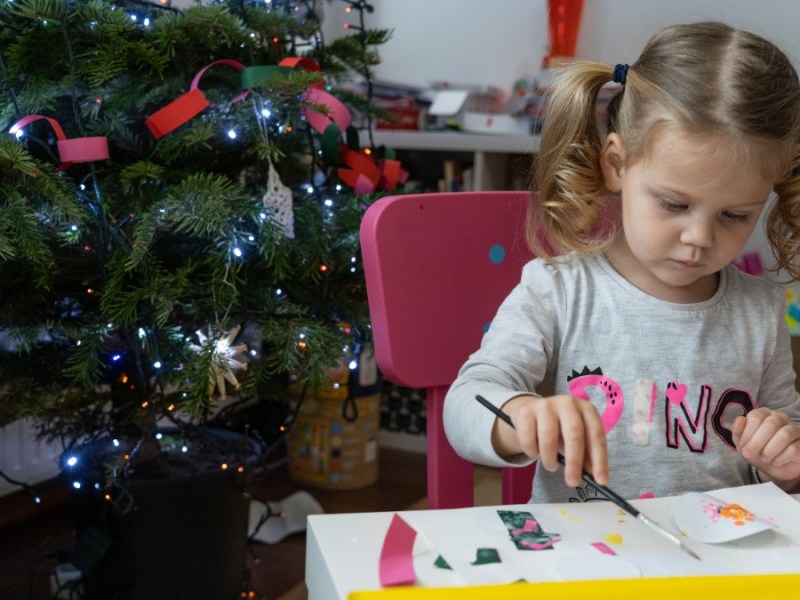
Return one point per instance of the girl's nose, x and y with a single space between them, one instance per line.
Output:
698 233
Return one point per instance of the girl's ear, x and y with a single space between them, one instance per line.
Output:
612 157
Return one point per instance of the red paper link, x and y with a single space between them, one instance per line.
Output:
70 151
362 175
307 64
188 105
392 174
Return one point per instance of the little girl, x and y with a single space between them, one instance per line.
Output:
630 345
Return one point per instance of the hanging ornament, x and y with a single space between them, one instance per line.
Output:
224 362
278 200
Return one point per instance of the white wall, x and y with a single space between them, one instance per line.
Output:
495 43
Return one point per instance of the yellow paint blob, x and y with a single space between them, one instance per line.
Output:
569 517
614 539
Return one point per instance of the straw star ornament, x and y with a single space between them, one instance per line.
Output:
224 363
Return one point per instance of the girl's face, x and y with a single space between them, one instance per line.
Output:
686 213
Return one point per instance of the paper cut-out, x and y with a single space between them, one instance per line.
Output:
486 556
441 563
604 548
525 531
705 518
396 565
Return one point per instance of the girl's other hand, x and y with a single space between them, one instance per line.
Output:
770 441
548 426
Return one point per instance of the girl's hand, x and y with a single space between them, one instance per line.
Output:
545 427
770 441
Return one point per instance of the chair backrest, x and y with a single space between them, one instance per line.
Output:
437 267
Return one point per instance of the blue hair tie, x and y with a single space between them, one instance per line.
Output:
620 74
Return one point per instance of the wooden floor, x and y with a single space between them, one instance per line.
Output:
31 535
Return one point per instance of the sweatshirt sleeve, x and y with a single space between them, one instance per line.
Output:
778 390
513 359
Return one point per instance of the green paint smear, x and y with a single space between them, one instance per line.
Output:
486 556
442 563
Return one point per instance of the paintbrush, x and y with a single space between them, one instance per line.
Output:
602 489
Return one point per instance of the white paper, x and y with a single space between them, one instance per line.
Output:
457 534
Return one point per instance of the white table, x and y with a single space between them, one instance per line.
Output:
343 550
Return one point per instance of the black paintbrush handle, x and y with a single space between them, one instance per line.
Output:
608 493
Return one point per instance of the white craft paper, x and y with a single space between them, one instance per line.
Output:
591 565
457 534
708 519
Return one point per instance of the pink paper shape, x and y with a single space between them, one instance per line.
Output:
396 566
604 548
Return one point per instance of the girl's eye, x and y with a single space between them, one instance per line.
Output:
735 217
671 206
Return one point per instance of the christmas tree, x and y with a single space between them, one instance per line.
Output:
180 199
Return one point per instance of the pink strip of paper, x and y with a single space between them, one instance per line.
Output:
396 565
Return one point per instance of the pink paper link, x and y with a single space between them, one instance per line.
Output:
396 566
228 62
338 111
70 151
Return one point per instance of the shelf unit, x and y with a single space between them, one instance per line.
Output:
490 153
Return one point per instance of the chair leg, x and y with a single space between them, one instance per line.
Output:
450 481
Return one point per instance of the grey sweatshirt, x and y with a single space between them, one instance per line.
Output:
667 379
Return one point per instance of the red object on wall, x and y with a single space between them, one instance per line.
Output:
564 19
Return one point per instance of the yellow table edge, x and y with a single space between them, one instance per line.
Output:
730 587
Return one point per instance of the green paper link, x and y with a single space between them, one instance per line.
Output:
260 74
330 144
352 139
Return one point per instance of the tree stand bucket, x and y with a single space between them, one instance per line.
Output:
333 442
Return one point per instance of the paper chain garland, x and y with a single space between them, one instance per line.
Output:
75 150
362 173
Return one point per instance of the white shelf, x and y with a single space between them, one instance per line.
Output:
453 141
491 152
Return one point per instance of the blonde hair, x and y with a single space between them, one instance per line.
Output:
704 78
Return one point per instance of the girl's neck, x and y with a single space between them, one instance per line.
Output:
629 267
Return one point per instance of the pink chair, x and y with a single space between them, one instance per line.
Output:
437 267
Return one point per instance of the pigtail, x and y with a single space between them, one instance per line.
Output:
783 221
567 173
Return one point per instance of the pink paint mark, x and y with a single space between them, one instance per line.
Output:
647 495
396 565
535 546
653 398
604 548
530 525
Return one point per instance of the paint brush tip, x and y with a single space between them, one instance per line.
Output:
690 552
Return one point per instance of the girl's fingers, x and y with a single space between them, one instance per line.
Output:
596 451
